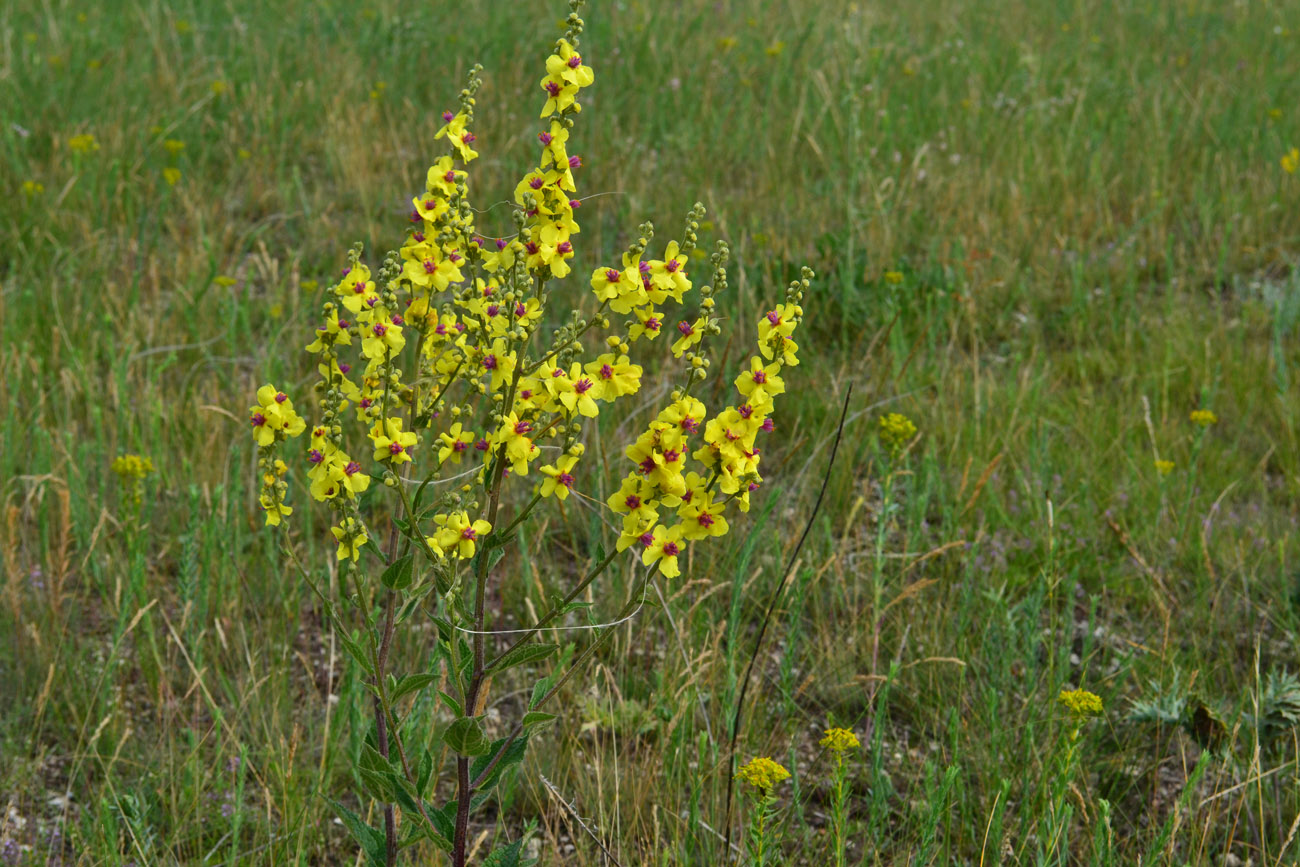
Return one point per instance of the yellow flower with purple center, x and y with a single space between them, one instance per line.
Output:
559 477
459 535
455 442
663 547
391 443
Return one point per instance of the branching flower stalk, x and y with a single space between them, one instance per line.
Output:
1080 706
762 774
840 741
437 382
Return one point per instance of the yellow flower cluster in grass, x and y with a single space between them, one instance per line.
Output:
839 740
762 773
1291 161
439 356
1080 702
1203 417
83 143
896 431
1164 467
132 469
129 467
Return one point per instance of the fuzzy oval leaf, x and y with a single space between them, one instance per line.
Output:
465 736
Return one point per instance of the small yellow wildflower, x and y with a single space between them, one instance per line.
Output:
350 535
183 26
33 188
1291 161
132 469
840 740
896 431
775 49
132 466
223 281
1080 702
309 285
219 87
894 278
1164 467
83 144
1204 417
243 153
762 773
173 146
1274 113
377 92
726 43
171 175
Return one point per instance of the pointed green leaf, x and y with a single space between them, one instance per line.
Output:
506 856
452 703
513 754
354 650
411 683
370 839
399 573
521 655
535 720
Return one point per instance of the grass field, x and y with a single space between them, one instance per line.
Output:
1045 232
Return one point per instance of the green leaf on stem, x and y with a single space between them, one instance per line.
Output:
370 839
521 655
424 772
452 703
512 753
399 573
356 652
409 684
506 856
465 737
535 720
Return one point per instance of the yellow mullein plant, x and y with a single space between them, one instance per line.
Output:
440 385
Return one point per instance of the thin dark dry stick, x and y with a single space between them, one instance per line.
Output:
767 617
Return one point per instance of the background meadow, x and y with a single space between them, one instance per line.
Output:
1046 232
